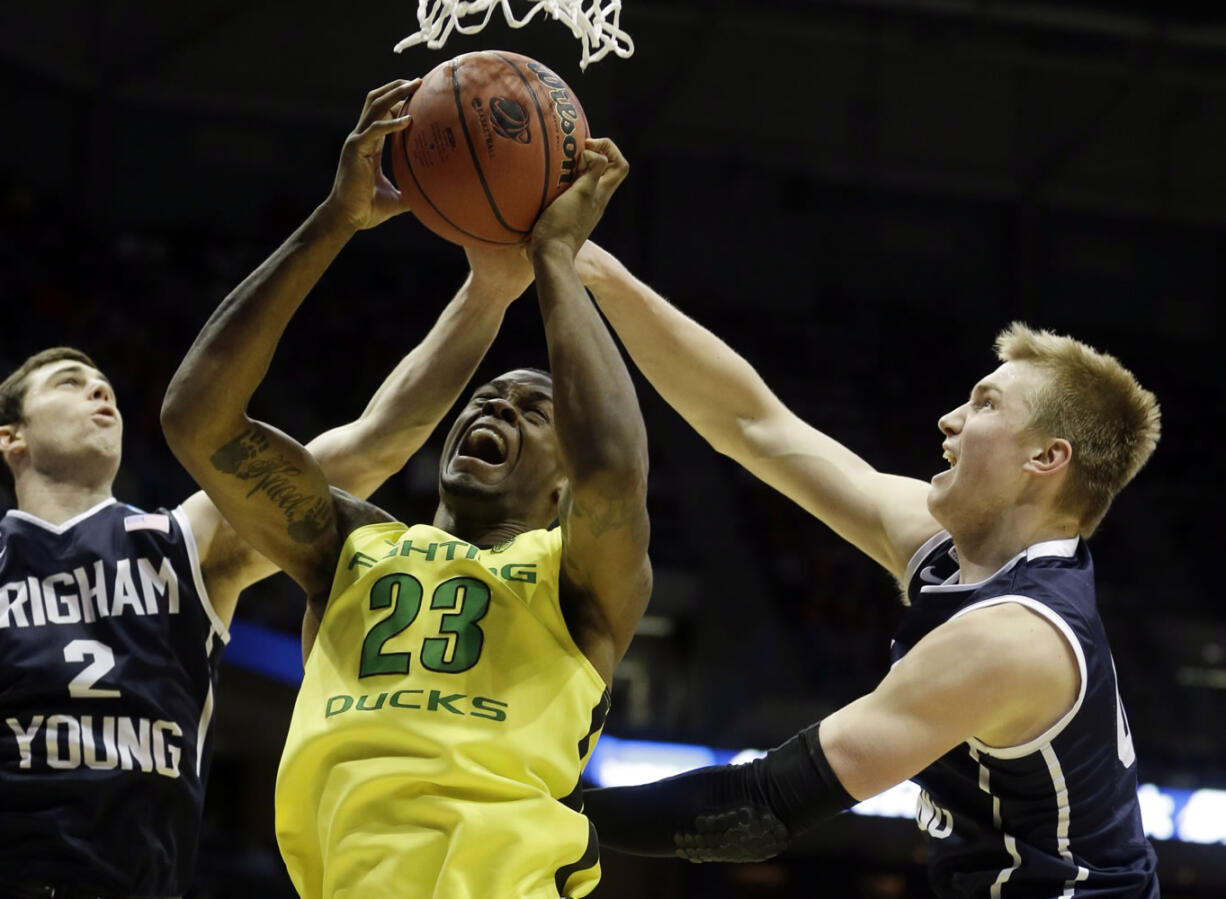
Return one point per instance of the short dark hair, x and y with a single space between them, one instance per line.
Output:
13 389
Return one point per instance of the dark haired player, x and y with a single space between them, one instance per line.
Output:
113 619
456 672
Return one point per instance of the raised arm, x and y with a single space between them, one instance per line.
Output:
360 455
602 440
268 486
721 395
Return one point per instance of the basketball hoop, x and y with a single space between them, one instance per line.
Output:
598 27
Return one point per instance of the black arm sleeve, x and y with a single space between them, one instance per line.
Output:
728 813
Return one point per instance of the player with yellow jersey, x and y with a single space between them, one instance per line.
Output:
457 673
444 696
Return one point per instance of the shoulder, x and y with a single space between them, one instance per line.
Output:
1019 655
1001 650
1005 633
353 513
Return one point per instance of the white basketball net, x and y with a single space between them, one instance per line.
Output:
597 27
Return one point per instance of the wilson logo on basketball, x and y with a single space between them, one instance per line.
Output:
559 93
510 119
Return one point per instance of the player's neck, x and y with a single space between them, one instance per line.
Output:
982 553
477 529
56 501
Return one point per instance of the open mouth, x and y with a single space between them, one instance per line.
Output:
484 444
950 458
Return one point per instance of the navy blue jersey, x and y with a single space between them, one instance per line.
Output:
1058 816
108 654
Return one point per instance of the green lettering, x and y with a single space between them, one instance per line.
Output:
362 707
346 703
408 547
404 705
451 547
495 708
437 699
525 573
362 560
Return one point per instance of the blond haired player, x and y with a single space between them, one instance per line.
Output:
456 673
1002 702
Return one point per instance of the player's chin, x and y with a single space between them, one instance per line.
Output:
465 477
938 494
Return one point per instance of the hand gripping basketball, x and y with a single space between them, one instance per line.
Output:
571 218
496 136
361 193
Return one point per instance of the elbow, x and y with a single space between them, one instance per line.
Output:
175 416
189 420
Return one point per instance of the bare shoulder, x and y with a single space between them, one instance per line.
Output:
1021 658
228 563
1010 637
1000 674
351 513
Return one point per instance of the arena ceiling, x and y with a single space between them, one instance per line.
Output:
1094 104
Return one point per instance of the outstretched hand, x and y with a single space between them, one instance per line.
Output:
361 193
570 218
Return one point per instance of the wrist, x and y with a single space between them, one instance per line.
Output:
491 292
553 250
330 218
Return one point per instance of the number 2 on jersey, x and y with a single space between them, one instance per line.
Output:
82 686
458 644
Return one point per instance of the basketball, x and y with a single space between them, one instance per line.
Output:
496 136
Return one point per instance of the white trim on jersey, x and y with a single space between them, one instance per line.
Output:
189 540
202 729
58 529
985 784
1014 752
1064 549
1062 820
918 556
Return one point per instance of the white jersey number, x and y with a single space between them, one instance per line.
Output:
103 660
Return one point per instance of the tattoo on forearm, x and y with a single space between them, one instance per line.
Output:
600 517
307 515
598 514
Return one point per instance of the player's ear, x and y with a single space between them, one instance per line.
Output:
1051 457
9 436
12 441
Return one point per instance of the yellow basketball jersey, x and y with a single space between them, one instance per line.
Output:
444 718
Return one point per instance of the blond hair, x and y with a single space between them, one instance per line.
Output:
1094 403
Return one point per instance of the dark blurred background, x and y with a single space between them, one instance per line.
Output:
857 195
